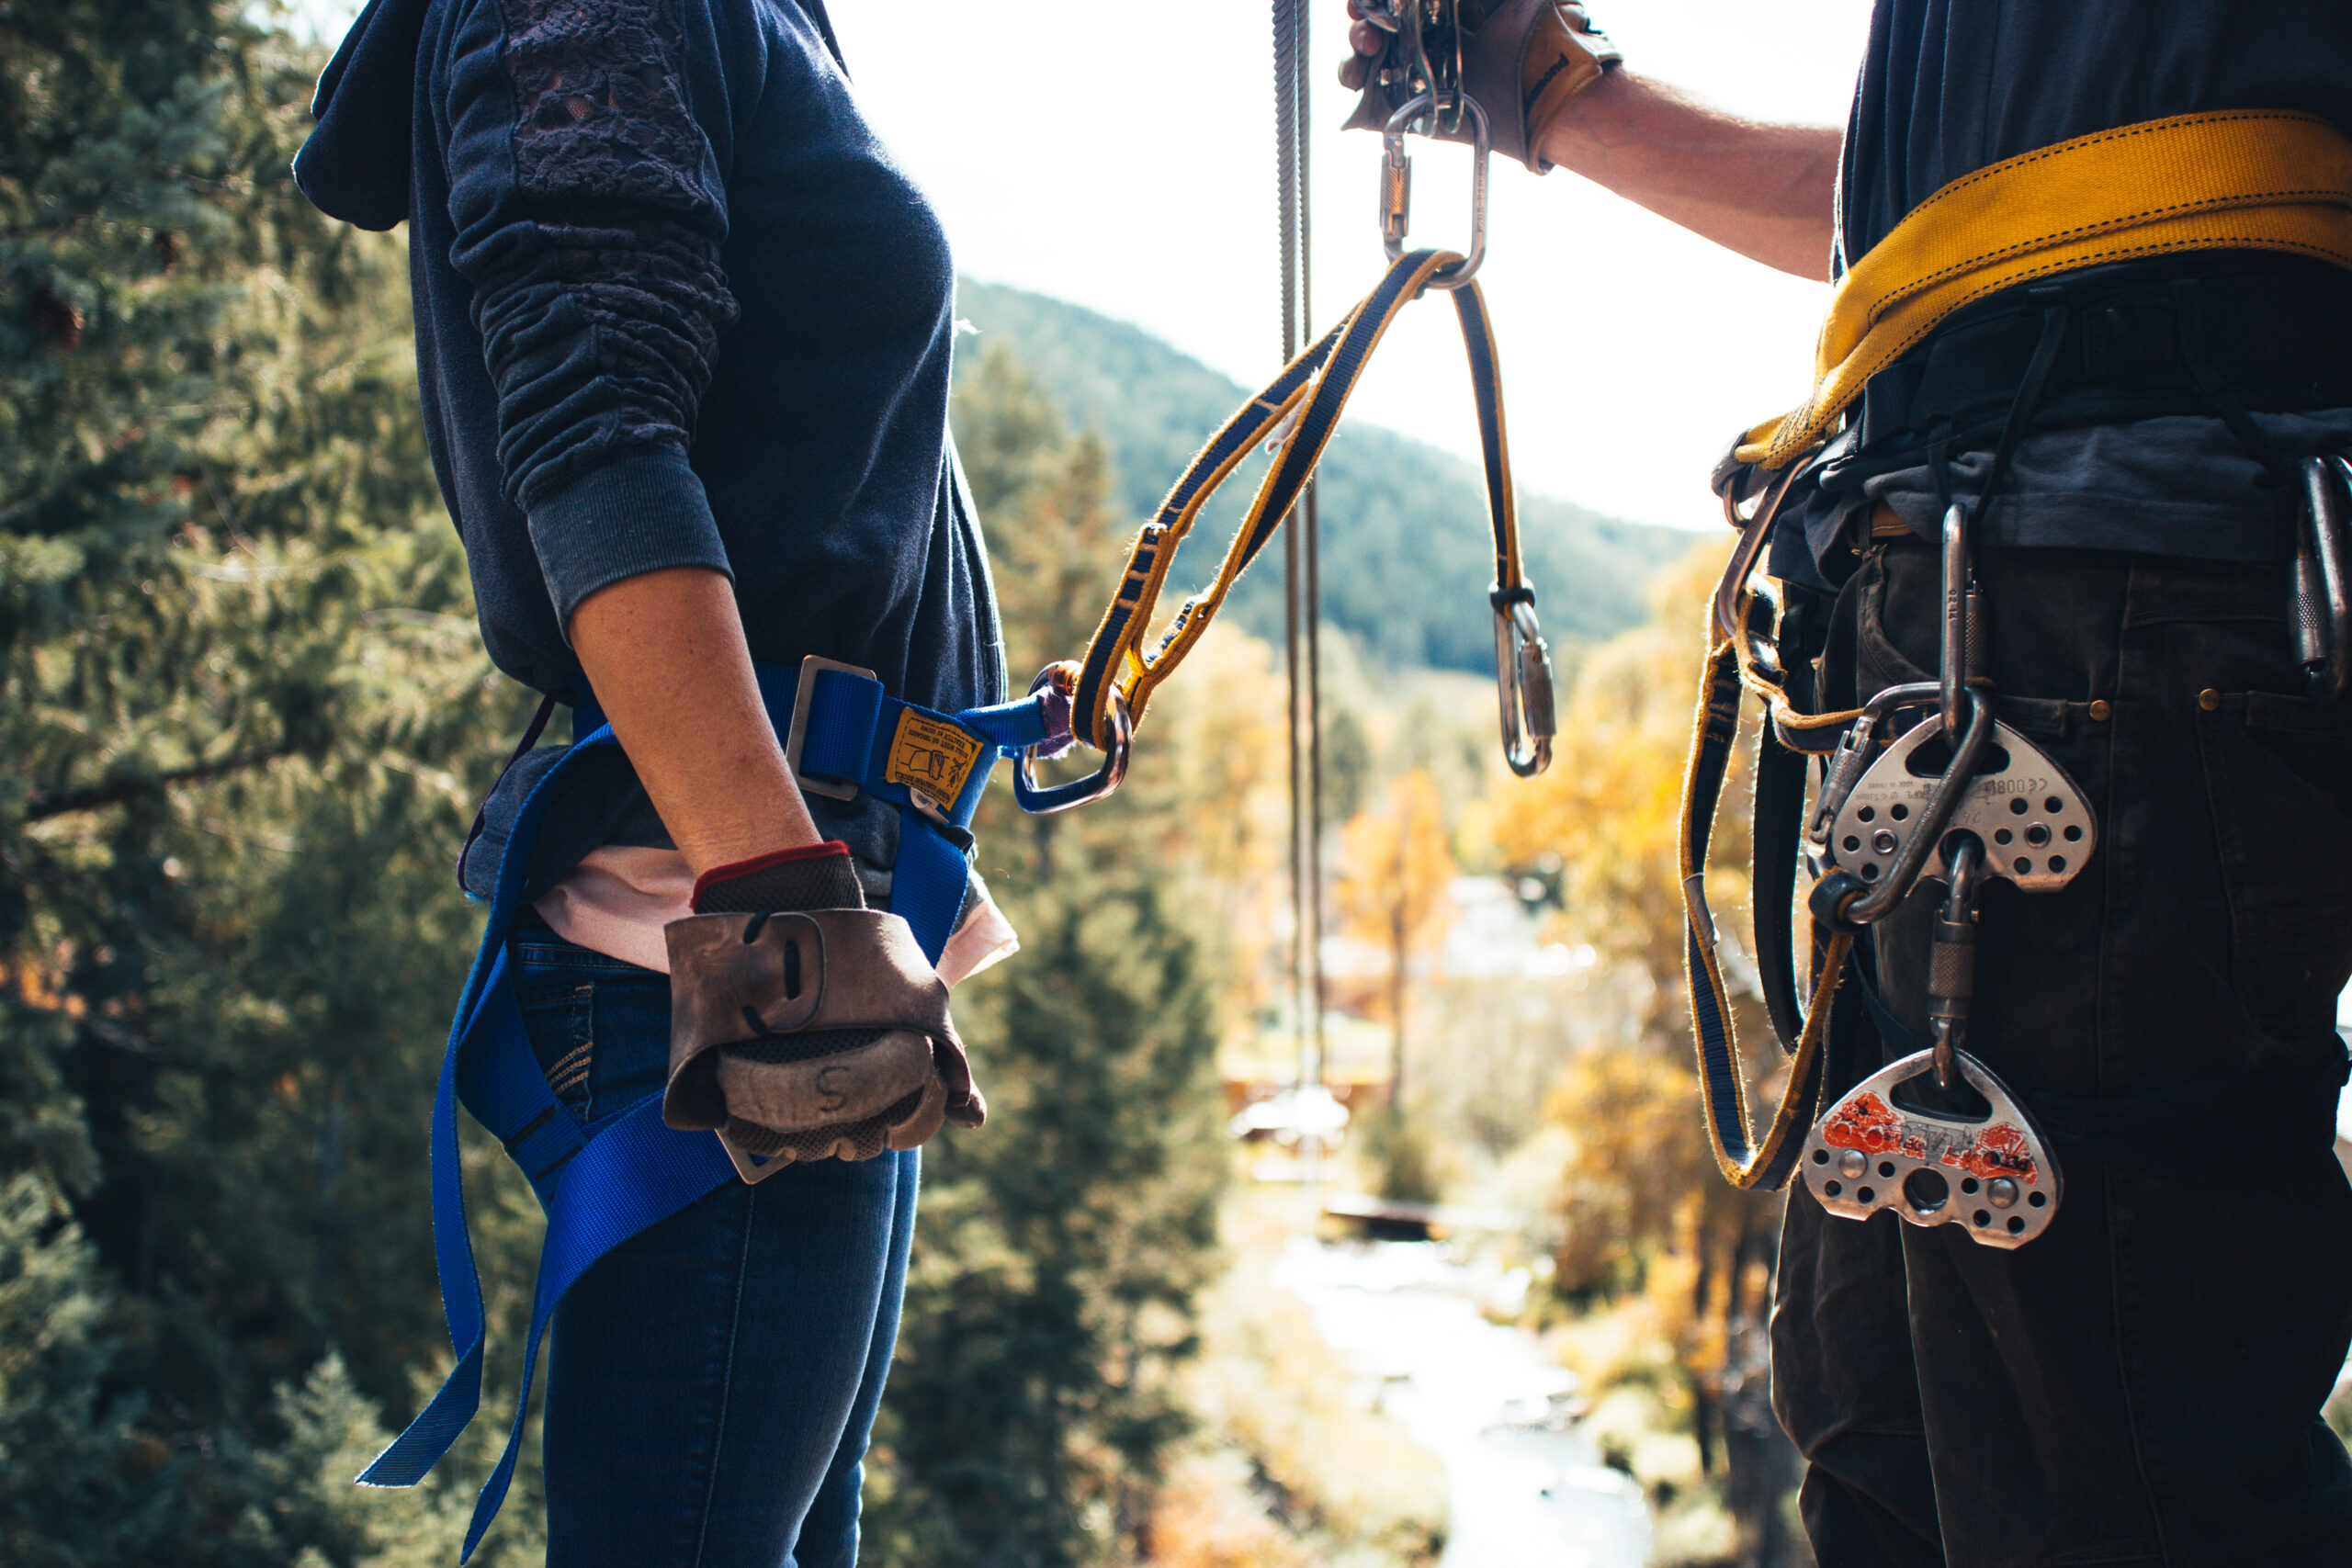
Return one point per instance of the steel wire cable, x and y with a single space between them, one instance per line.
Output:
1301 555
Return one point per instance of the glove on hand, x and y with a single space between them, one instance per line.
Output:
1524 61
804 1025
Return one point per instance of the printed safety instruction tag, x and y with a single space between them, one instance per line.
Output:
931 757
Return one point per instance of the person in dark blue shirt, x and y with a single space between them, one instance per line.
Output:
683 335
2143 1382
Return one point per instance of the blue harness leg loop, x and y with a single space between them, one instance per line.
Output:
604 1183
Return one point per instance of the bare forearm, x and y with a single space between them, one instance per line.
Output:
666 656
1766 191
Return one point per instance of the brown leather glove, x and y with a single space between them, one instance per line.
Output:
804 1025
1524 61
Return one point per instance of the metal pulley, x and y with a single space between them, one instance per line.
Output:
1959 796
1992 1176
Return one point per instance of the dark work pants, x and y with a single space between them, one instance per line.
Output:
2142 1384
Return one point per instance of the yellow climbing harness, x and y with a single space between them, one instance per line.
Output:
2255 179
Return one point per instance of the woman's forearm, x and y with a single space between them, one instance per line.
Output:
1766 191
666 656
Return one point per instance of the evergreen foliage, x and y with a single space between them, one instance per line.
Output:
1061 1250
244 721
242 718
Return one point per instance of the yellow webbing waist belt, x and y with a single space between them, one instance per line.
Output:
2244 179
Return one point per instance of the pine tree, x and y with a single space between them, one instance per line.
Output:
243 717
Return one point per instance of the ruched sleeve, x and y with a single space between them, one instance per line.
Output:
588 201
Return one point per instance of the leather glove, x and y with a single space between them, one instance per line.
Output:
804 1025
1524 61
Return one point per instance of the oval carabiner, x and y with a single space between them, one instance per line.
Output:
1881 900
1523 682
1397 187
1044 800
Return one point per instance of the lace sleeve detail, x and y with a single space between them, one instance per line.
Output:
590 211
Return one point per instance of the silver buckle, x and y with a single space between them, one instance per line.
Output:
797 732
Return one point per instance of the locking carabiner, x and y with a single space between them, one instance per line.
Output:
1523 682
1397 187
1848 902
2320 617
1044 800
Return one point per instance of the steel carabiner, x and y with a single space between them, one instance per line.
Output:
1396 188
1847 901
1523 682
1044 800
2320 617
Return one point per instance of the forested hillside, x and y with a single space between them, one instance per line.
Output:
1407 557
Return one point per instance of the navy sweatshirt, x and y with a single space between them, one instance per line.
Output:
675 307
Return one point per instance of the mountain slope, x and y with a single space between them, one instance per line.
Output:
1406 555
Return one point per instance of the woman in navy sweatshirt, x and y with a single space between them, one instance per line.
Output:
683 336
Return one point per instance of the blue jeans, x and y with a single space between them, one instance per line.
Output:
711 1383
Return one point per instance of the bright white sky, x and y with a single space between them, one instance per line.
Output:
1120 155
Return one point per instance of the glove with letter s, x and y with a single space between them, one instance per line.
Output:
1524 62
804 1025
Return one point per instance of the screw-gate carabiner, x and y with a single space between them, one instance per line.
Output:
1845 901
1044 800
1396 188
1855 750
1523 682
2320 617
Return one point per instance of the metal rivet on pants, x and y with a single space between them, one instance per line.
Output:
2209 699
2101 711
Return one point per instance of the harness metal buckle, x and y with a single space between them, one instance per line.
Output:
797 733
1524 687
1992 1176
1044 800
1397 189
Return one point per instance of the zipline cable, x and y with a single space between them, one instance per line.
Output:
1301 557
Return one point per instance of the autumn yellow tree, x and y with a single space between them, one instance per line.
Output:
1639 1189
1394 891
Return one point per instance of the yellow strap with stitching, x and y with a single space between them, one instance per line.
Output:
2250 179
1304 406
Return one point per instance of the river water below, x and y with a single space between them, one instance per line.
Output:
1527 1490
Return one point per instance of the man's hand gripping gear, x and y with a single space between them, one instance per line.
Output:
1524 62
804 1025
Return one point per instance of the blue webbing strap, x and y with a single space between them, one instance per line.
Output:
603 1184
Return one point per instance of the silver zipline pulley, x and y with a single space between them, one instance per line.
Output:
1963 797
1993 1176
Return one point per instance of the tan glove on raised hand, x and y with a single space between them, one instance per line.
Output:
1524 62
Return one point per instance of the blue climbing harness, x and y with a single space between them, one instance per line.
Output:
603 1182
